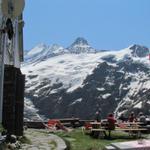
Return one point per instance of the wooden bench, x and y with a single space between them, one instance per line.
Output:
132 131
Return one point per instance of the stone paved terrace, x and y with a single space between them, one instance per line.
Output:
42 140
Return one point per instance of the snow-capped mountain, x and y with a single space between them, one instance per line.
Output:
80 45
139 51
78 80
41 52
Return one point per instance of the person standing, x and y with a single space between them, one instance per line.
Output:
111 123
98 116
142 118
132 117
122 117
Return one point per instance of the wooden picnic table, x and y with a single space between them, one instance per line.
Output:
95 125
125 124
132 131
133 128
131 123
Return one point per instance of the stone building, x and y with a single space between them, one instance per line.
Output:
11 79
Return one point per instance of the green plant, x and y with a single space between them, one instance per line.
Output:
24 139
53 144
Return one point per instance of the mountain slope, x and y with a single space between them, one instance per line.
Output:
79 80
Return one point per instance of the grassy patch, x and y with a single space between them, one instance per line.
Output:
53 144
76 140
25 140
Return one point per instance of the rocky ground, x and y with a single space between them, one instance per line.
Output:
42 140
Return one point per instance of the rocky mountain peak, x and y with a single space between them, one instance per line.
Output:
139 51
80 41
80 45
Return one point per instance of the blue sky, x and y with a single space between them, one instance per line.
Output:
106 24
